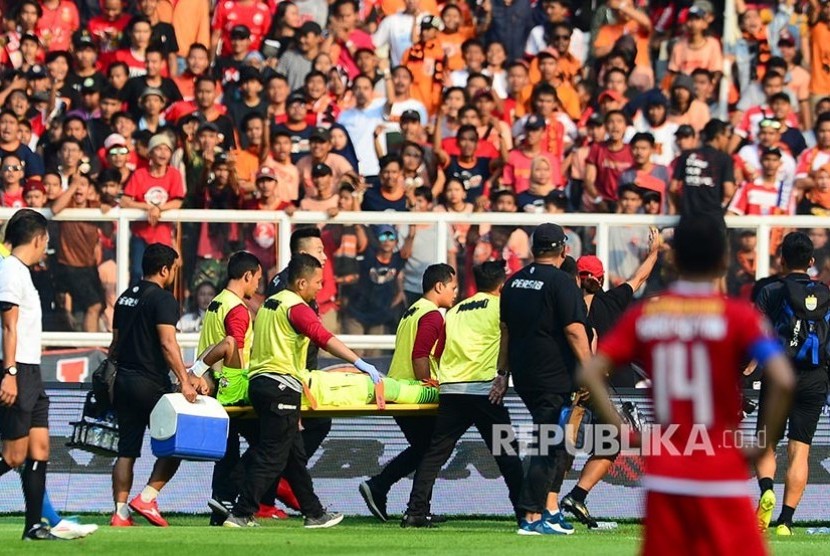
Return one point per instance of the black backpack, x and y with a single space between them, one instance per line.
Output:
804 323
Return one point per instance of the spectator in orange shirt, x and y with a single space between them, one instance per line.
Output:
426 61
453 36
696 49
519 91
819 50
817 200
628 20
550 74
799 78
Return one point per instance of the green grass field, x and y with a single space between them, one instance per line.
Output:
189 535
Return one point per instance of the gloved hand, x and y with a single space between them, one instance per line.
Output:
369 369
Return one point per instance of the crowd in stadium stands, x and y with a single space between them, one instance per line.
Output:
545 106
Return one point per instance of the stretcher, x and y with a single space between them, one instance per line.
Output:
333 412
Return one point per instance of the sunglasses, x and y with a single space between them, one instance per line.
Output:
561 37
386 236
774 124
119 150
12 168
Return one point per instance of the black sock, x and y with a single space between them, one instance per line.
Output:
786 516
765 484
579 494
34 485
4 467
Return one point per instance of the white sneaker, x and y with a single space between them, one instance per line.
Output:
69 530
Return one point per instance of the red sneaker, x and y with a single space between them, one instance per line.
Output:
286 495
270 512
118 521
149 511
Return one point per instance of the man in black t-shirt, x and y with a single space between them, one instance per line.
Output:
783 302
604 310
144 344
544 337
704 178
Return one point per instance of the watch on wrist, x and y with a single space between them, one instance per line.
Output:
11 371
501 372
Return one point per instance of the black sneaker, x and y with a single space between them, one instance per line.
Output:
436 519
417 522
579 510
39 533
375 501
237 522
221 510
324 521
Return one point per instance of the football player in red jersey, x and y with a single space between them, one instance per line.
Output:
692 342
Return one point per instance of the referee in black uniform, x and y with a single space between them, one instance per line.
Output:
24 406
544 338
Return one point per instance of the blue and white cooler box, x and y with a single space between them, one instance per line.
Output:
192 431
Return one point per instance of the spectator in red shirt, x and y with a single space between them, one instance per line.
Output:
156 188
108 28
253 14
605 164
261 238
11 174
348 39
60 18
140 31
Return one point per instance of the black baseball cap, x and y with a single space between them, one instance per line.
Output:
685 131
208 126
432 21
37 71
410 116
249 73
81 39
557 198
548 236
89 86
240 32
774 151
320 134
296 97
535 122
320 169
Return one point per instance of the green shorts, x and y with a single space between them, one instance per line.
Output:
232 386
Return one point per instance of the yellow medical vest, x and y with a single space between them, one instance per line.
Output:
401 365
278 348
213 325
471 349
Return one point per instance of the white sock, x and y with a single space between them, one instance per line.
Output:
122 510
149 494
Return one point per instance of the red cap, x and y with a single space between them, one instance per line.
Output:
591 265
34 185
610 94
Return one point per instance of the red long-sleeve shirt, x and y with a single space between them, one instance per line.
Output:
430 333
306 322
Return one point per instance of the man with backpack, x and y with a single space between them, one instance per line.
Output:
799 309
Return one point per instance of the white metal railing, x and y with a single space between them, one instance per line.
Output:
602 222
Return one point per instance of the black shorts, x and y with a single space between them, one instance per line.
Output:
808 400
135 397
30 410
83 284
